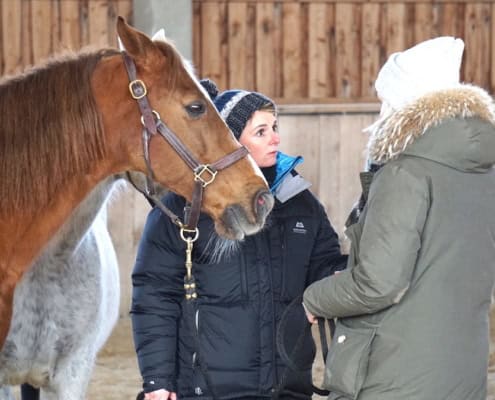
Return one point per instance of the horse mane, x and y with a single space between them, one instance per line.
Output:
50 129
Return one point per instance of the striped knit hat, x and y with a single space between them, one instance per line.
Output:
236 106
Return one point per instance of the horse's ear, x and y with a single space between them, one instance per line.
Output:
136 43
160 36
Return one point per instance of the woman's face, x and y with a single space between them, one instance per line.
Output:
261 138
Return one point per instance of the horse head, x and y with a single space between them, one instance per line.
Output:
236 197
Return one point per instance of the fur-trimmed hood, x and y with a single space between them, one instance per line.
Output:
455 127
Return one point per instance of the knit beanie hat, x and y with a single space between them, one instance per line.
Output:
429 66
236 106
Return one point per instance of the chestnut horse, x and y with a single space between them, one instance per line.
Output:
76 120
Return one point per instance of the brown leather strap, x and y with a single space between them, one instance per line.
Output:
230 159
139 93
204 174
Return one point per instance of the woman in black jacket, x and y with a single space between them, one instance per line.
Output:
241 294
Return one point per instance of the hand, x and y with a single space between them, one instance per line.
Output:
161 394
311 318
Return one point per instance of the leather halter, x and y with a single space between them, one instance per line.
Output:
204 174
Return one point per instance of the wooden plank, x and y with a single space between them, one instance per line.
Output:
265 49
491 89
423 22
370 48
236 59
26 35
319 51
197 36
306 145
124 9
55 27
395 28
250 50
340 1
477 40
98 22
448 21
277 50
41 40
303 44
70 27
84 22
291 49
348 57
11 32
328 107
342 145
212 22
332 42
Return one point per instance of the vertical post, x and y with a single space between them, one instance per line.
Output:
172 15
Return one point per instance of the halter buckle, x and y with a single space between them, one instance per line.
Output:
138 89
198 172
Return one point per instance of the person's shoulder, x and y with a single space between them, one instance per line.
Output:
304 203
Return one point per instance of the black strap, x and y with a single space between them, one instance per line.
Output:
289 359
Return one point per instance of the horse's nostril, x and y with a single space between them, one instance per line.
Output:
263 204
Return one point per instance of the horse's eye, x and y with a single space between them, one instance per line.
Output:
196 109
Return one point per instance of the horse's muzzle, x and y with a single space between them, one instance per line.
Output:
238 222
263 204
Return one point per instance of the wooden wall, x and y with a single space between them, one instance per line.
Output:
31 30
321 50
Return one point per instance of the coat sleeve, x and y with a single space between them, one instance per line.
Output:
388 249
157 291
326 256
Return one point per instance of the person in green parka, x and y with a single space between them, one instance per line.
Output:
412 307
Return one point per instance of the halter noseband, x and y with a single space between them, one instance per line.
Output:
204 174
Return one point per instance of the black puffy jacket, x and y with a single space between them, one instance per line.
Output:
240 302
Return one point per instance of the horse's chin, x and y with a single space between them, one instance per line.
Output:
234 224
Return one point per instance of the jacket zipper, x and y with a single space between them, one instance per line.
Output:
274 326
283 271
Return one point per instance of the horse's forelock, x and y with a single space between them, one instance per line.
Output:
50 129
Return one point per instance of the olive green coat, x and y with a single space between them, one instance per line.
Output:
413 305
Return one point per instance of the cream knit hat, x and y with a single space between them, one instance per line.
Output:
427 67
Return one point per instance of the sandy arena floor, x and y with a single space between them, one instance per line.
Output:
116 375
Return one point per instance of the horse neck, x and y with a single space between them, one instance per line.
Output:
72 232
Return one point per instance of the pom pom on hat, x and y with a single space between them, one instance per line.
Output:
210 87
237 106
429 66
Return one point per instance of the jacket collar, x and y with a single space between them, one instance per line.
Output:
392 133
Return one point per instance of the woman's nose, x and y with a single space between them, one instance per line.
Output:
275 138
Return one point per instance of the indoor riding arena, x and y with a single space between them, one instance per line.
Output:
317 59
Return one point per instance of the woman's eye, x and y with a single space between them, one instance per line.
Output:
196 109
261 132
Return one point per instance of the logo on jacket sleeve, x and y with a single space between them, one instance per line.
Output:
299 228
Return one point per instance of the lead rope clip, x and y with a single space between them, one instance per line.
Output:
189 283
